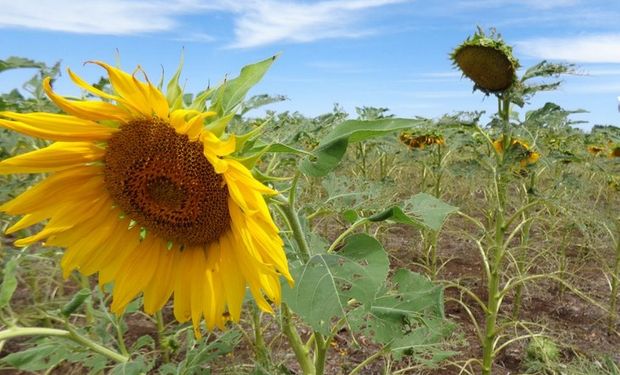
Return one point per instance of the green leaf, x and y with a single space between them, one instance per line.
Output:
429 210
333 146
20 62
34 359
205 352
257 101
324 159
174 93
424 212
77 301
326 284
135 367
9 282
230 94
408 318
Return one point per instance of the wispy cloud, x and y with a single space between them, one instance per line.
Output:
268 21
602 48
256 22
535 4
93 17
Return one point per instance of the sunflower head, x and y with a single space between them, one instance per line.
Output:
152 195
595 150
518 151
420 141
615 152
488 61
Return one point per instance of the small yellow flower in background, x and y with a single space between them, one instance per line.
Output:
140 192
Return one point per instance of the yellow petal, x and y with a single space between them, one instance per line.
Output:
159 290
68 184
128 241
56 127
57 156
132 280
198 285
234 284
90 110
182 286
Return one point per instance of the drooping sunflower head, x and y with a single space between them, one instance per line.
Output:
420 141
615 152
148 193
488 61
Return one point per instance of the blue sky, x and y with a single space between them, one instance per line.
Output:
382 53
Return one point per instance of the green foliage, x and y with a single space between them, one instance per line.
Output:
333 146
425 212
231 93
9 282
48 353
407 317
201 354
326 283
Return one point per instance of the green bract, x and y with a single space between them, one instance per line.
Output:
487 61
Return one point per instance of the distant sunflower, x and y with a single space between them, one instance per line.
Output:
145 196
420 141
595 150
523 153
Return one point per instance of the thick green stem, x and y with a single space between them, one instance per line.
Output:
301 352
298 234
260 349
70 334
119 335
161 337
497 252
320 353
85 284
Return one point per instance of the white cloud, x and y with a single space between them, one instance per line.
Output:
93 17
536 4
603 48
267 21
256 22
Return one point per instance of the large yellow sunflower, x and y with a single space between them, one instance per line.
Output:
140 192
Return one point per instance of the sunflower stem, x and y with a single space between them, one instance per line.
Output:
85 284
260 349
321 345
303 249
347 232
301 352
70 334
161 337
119 336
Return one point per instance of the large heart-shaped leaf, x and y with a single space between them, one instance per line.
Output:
327 282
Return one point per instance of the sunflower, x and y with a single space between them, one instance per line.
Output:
142 193
420 141
522 151
595 150
488 61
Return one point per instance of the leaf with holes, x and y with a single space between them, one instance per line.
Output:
326 284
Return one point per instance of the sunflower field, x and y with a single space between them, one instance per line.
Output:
147 230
